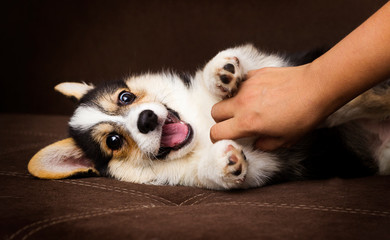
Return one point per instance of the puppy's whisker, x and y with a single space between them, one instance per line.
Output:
152 168
164 98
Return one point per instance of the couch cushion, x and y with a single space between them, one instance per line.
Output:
103 208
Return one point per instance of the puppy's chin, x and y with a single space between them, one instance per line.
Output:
180 153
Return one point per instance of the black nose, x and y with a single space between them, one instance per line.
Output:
147 121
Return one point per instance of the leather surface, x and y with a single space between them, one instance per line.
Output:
104 208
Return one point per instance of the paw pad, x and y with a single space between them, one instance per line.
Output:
232 160
225 79
229 76
230 68
236 162
238 171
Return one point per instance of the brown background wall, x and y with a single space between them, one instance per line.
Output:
48 42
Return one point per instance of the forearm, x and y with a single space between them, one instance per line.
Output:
356 63
280 105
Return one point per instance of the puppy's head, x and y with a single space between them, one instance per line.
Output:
114 122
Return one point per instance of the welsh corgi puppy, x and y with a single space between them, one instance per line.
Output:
154 129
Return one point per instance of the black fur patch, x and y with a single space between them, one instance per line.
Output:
109 87
91 149
382 87
323 154
186 78
304 57
329 156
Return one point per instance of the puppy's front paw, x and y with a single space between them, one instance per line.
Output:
223 74
228 76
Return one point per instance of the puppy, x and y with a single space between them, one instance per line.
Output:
154 129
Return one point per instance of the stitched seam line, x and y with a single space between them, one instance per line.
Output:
118 189
200 200
45 221
300 206
99 186
133 191
191 198
308 207
224 199
16 174
52 221
316 207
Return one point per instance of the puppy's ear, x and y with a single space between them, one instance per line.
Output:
73 89
60 160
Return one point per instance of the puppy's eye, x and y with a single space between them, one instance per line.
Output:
126 98
114 141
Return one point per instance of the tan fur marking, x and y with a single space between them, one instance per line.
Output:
374 103
72 89
129 150
99 135
369 105
109 102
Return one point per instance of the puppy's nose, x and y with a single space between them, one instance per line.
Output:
147 121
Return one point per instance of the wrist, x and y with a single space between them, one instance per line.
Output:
327 93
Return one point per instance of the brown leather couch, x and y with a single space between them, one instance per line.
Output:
48 42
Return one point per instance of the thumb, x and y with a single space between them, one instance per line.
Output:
251 73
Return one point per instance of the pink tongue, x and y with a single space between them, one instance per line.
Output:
173 134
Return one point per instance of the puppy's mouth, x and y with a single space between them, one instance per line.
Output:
175 134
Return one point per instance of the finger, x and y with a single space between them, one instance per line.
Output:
251 73
268 143
228 129
223 110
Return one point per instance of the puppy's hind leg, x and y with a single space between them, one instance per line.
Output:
373 104
367 128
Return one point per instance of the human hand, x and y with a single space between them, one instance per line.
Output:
276 105
280 105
